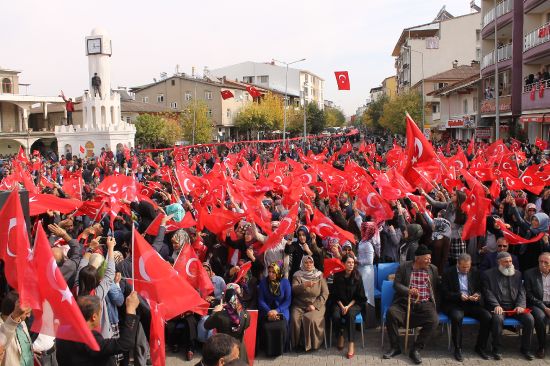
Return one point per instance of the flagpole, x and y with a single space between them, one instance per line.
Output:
133 256
99 211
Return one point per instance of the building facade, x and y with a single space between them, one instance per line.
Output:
522 59
298 83
389 87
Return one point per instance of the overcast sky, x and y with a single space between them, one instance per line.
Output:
45 39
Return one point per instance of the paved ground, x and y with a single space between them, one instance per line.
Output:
434 354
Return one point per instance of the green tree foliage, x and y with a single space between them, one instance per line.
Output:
315 118
156 131
393 114
334 117
295 121
201 121
265 115
371 117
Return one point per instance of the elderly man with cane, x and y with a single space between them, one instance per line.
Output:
414 304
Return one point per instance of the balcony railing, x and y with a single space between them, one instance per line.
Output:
537 86
503 53
502 8
538 36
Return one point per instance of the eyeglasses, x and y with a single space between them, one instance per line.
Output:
502 246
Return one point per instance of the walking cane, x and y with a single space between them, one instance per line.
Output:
408 322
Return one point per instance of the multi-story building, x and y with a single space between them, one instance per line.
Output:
376 93
389 87
522 55
428 49
298 83
18 127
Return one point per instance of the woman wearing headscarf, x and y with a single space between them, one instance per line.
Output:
412 235
440 242
366 251
305 244
231 317
274 303
309 295
349 298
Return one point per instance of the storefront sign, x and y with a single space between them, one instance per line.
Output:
483 133
454 123
464 122
488 105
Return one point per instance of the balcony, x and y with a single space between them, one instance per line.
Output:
503 8
531 98
488 106
503 53
536 43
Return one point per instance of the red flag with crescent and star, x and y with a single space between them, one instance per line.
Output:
55 310
287 226
325 227
332 266
172 225
342 79
157 345
226 94
190 268
254 93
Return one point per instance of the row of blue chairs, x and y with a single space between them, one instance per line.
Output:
387 293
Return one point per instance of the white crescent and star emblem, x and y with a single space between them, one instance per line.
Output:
186 186
369 198
12 224
113 189
188 266
342 78
509 167
525 178
419 147
66 294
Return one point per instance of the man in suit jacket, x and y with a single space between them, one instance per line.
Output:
537 289
461 295
504 295
417 279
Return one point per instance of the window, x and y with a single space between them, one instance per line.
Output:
174 105
188 96
173 81
208 95
465 106
127 119
306 78
439 85
478 54
478 34
145 99
474 107
209 113
6 86
264 79
248 79
160 98
435 107
228 113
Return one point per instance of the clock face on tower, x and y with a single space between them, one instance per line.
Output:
93 46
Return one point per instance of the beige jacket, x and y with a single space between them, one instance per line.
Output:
10 352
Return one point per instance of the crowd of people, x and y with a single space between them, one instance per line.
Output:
294 231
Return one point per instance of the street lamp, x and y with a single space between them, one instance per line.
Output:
497 87
423 98
286 90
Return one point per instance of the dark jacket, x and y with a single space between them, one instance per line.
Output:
403 278
348 289
450 286
532 280
71 353
490 261
70 264
492 293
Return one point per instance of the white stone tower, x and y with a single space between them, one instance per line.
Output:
102 125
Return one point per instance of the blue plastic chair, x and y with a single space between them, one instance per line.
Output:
446 322
358 320
385 303
382 271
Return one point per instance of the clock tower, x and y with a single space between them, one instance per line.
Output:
102 125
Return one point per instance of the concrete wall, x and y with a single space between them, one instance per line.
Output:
9 117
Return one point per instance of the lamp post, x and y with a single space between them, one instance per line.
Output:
423 97
497 91
286 91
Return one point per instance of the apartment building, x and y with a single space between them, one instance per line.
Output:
18 127
520 31
389 86
299 84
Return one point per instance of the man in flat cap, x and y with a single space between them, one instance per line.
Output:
418 279
504 296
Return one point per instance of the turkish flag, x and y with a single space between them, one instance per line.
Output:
541 89
187 222
190 268
250 336
55 310
342 79
287 226
9 183
324 228
512 183
419 150
531 180
476 222
14 241
533 91
226 94
40 203
373 204
73 187
22 156
346 148
92 209
156 337
156 280
254 93
218 220
187 182
25 178
82 149
332 266
541 144
471 146
119 187
151 163
243 270
512 238
459 161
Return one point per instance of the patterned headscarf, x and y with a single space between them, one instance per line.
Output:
233 305
312 275
275 285
181 237
368 229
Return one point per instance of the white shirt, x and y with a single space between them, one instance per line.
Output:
545 287
463 282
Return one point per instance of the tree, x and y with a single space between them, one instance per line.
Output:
267 114
197 117
315 118
334 117
156 131
295 121
393 114
371 117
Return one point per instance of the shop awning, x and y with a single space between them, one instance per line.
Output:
540 118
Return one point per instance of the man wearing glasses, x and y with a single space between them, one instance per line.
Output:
490 259
537 288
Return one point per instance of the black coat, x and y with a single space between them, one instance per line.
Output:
492 293
532 280
348 289
73 353
450 286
